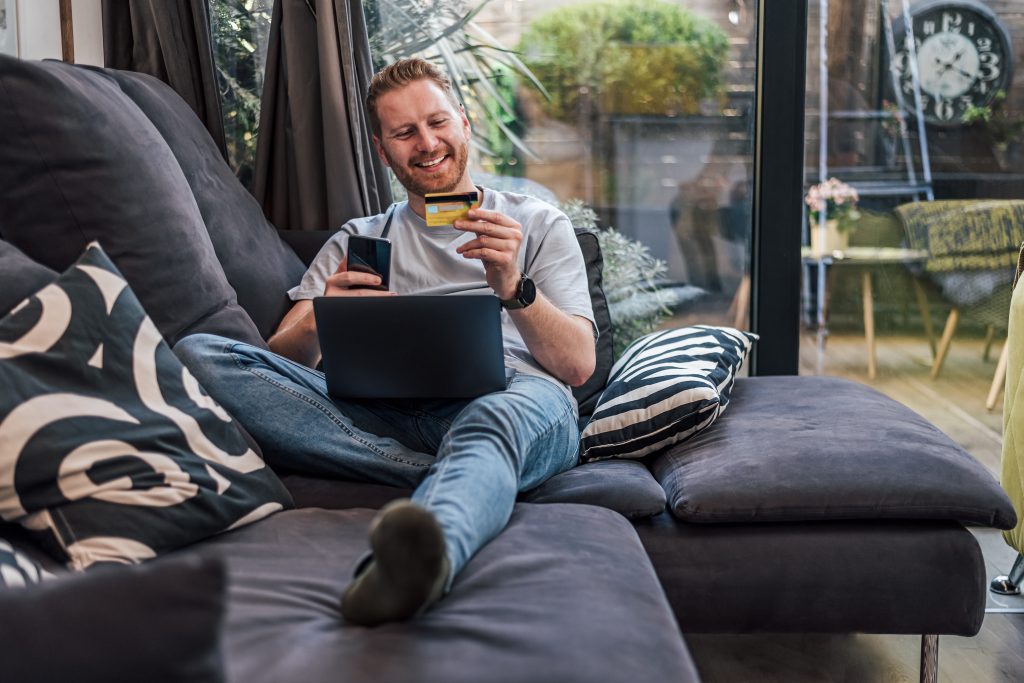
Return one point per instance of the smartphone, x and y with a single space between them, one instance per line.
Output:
370 255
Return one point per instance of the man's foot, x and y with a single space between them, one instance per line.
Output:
408 571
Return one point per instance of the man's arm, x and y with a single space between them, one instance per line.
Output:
296 336
563 344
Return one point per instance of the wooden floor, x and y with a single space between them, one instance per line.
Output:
955 402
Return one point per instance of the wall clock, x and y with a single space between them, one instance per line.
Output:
964 58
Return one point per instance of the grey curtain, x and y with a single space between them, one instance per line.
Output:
168 39
315 163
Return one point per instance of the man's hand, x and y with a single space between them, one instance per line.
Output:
296 335
497 244
345 282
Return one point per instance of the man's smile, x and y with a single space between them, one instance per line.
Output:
431 163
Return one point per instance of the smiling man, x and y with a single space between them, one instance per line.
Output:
467 460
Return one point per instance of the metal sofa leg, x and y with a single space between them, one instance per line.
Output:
929 659
1009 584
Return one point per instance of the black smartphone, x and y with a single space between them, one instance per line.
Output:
370 255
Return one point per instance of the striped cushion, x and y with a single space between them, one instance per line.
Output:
666 387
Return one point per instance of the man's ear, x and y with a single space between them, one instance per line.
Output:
380 151
465 120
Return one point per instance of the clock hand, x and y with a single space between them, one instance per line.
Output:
957 57
965 74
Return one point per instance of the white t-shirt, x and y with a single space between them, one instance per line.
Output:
424 261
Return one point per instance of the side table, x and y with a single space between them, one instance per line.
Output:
872 256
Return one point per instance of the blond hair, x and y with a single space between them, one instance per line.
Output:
400 74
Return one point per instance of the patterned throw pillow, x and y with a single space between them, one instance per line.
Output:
109 448
666 387
17 570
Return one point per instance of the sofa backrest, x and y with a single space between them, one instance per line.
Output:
80 161
259 267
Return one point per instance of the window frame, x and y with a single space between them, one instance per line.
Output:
778 185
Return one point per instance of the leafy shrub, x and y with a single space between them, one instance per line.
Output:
240 29
630 276
633 57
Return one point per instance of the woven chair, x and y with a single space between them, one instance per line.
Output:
972 246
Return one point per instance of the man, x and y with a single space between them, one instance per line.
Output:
466 459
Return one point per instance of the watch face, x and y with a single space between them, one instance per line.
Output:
963 59
527 291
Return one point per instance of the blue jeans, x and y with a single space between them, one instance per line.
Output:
467 459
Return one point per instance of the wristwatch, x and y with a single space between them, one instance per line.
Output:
526 294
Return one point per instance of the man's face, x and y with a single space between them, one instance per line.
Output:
424 138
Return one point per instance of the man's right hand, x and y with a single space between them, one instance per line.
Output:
345 282
296 336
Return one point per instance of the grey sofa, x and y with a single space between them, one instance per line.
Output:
811 505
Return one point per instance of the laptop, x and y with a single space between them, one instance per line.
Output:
411 346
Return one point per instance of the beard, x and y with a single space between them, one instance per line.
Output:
419 182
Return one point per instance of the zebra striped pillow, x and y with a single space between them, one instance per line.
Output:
666 387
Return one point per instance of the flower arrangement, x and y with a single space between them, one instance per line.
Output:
837 199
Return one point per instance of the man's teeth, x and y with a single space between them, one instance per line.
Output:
432 162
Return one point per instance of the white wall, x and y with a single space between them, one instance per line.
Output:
39 30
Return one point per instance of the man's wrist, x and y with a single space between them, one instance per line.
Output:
525 294
507 290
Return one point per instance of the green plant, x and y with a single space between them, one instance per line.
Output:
1003 128
630 276
239 31
633 57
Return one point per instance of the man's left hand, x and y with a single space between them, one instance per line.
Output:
497 244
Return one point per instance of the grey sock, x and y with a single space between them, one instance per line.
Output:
408 571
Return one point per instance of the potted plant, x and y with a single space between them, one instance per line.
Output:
1004 130
833 210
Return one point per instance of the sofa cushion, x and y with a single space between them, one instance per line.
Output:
260 268
20 277
159 622
79 161
107 443
623 486
17 569
810 448
588 393
666 387
530 606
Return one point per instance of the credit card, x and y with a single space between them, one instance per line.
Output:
446 208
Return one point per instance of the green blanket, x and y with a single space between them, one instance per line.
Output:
965 234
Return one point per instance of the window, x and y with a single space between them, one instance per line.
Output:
636 114
240 30
908 289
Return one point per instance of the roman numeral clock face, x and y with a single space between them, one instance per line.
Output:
963 59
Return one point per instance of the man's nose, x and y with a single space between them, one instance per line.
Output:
426 140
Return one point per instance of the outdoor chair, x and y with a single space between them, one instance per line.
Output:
972 252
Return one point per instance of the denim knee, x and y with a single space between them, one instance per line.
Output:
198 352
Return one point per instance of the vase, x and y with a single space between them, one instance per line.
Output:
834 239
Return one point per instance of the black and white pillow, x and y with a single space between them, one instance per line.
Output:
109 448
666 387
18 570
